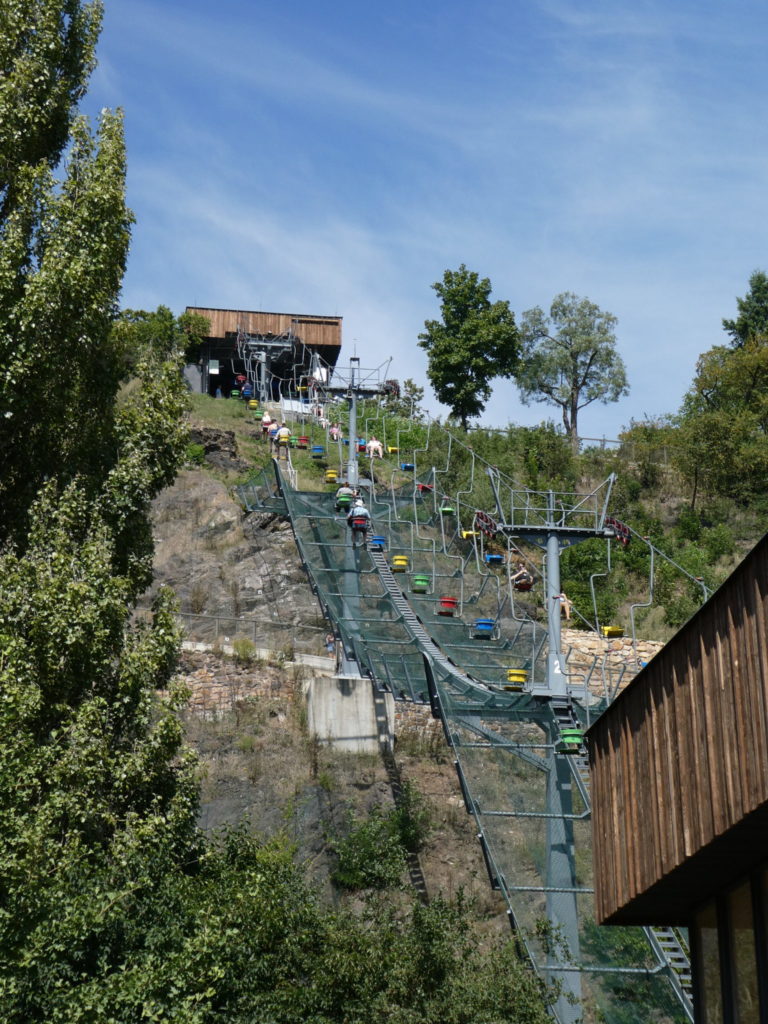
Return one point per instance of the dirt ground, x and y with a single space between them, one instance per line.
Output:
260 767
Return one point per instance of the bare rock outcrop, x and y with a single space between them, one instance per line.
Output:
224 563
220 447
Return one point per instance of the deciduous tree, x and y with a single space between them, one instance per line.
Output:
63 247
159 334
723 437
570 358
752 319
475 341
93 778
47 53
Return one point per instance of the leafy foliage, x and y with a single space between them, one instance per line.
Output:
144 335
411 818
587 562
570 358
97 793
62 254
724 421
371 855
47 53
752 319
475 341
624 947
407 403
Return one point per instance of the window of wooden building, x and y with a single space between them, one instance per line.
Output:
705 941
728 942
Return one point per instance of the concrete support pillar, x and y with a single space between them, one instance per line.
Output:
341 711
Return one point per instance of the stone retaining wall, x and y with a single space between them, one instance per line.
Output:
620 657
218 682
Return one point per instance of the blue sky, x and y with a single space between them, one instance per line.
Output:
336 158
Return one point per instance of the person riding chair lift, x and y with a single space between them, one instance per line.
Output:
359 520
522 578
374 448
344 497
282 440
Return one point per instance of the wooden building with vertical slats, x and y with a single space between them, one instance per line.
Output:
304 335
679 777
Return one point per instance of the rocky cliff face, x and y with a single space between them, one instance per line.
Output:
222 563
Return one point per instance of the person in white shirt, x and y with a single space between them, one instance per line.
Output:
375 448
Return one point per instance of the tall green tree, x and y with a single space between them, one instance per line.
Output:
63 247
47 53
92 774
158 334
475 341
752 318
570 358
723 437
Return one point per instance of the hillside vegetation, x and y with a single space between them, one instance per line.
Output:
701 528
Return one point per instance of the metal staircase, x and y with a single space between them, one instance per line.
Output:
410 618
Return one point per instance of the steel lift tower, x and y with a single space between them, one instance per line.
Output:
354 383
553 522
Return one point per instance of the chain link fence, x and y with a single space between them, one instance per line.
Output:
270 634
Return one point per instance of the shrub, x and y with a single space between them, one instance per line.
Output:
679 608
195 454
718 542
245 650
689 524
246 743
371 855
411 819
198 598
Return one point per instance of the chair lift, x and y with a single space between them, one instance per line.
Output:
570 741
516 680
420 583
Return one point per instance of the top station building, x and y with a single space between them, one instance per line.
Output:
274 350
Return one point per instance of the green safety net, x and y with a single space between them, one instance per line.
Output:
538 847
531 802
261 493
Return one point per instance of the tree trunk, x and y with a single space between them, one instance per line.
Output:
569 423
574 424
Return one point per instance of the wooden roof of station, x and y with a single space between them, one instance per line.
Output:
324 331
679 762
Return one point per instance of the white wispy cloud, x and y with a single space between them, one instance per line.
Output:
611 149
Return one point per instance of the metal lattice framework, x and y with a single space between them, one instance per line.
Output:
527 788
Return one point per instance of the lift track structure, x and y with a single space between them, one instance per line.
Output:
522 775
